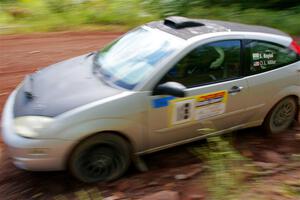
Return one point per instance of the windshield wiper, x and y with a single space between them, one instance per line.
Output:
97 70
28 86
96 65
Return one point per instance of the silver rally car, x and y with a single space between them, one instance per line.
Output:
162 84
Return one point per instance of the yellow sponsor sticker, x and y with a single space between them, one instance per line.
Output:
189 109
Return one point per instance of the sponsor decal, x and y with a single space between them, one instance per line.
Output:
185 110
209 105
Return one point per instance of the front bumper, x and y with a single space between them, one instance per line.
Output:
33 154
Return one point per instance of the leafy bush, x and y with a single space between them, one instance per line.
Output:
47 15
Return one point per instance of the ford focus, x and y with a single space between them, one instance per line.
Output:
162 84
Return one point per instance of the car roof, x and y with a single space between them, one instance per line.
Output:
187 28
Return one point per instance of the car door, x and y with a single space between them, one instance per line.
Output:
216 96
272 71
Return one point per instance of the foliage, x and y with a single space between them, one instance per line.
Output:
285 20
250 11
48 15
225 167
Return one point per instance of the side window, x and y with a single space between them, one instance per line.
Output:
266 56
209 63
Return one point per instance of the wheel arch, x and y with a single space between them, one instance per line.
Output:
294 96
117 133
297 99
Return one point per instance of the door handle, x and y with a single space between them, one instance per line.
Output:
235 89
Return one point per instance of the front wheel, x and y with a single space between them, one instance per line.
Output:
102 157
281 116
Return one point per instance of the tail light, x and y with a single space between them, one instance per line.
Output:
295 47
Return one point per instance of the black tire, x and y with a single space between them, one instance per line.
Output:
281 116
103 157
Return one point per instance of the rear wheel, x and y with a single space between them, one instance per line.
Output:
281 116
102 157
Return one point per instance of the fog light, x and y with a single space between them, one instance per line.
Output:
38 151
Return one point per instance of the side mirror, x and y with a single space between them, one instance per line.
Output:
170 88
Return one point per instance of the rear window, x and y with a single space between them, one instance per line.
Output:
265 56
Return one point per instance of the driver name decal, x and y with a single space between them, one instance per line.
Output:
263 59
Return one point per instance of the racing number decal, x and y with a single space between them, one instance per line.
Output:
184 110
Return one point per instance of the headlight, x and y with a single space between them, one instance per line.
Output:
30 126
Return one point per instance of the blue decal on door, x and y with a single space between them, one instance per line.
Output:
161 102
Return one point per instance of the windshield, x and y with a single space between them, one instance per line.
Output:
130 59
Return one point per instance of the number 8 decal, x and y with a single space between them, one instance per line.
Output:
182 111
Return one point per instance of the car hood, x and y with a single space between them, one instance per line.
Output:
61 87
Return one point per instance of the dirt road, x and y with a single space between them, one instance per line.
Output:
23 54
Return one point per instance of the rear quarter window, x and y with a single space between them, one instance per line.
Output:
265 56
